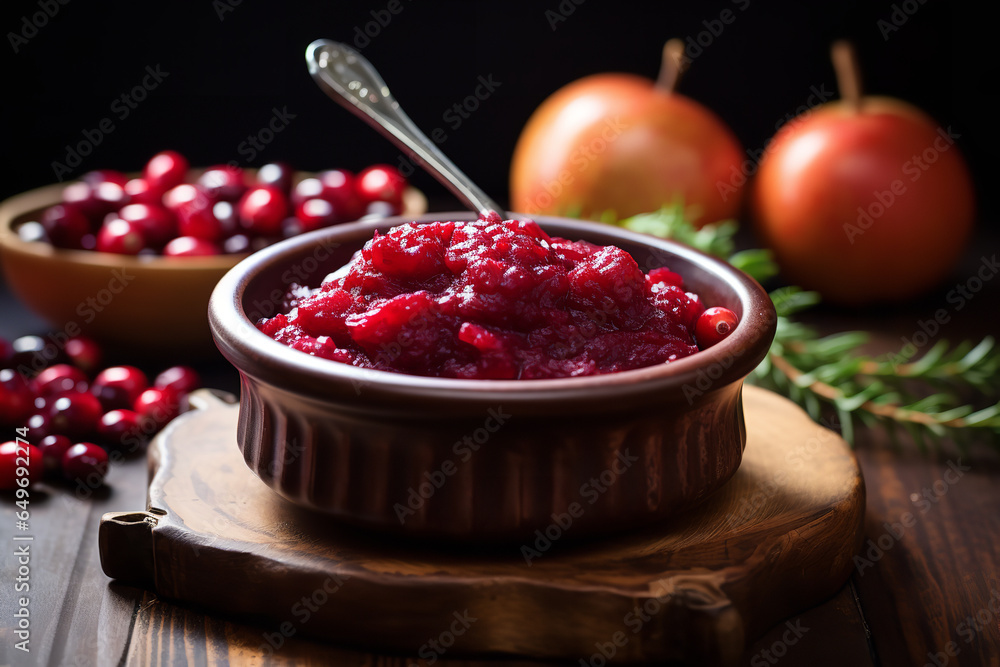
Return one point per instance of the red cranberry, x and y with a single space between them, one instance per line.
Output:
197 220
713 325
120 237
179 379
157 223
277 175
84 353
119 386
165 170
58 379
340 187
85 462
6 352
16 398
95 201
158 406
223 183
121 430
182 195
381 182
39 426
229 220
34 352
74 414
237 244
262 211
65 225
10 453
53 447
188 246
140 192
99 176
316 213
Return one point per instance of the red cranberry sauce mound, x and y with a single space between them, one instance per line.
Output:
491 299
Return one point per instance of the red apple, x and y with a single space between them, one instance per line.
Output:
864 200
620 142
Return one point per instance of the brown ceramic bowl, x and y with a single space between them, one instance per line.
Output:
137 302
488 459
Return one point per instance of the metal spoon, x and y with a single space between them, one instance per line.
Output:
350 80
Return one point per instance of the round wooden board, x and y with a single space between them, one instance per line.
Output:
778 538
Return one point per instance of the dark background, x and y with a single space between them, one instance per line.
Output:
227 73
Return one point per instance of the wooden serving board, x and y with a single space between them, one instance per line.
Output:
777 539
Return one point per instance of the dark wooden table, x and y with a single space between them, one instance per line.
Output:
926 589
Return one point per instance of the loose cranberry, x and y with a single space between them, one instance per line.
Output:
120 237
39 426
6 352
277 175
262 211
315 214
139 191
85 462
16 398
119 386
157 223
713 325
58 379
237 244
105 176
381 182
14 456
182 195
158 406
196 219
84 353
336 186
74 414
188 246
179 379
95 201
229 220
53 447
34 352
121 430
65 225
223 183
165 170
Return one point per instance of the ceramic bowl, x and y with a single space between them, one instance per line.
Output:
121 300
488 459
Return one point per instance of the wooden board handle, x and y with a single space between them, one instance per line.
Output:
126 546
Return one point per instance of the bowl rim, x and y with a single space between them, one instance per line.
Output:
258 355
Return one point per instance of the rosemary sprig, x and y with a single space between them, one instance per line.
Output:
921 396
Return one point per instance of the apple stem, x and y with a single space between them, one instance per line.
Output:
673 66
845 64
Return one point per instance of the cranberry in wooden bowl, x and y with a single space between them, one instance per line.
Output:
487 459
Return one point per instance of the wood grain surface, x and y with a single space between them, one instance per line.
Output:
774 541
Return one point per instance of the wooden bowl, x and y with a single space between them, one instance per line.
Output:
121 300
498 460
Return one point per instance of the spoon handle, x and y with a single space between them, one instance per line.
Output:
350 80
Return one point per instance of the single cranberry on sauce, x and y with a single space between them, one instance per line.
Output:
381 182
119 386
157 406
74 414
262 211
277 175
84 353
189 246
223 183
165 170
85 462
12 457
157 223
58 379
53 447
65 226
713 325
121 430
17 401
120 237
